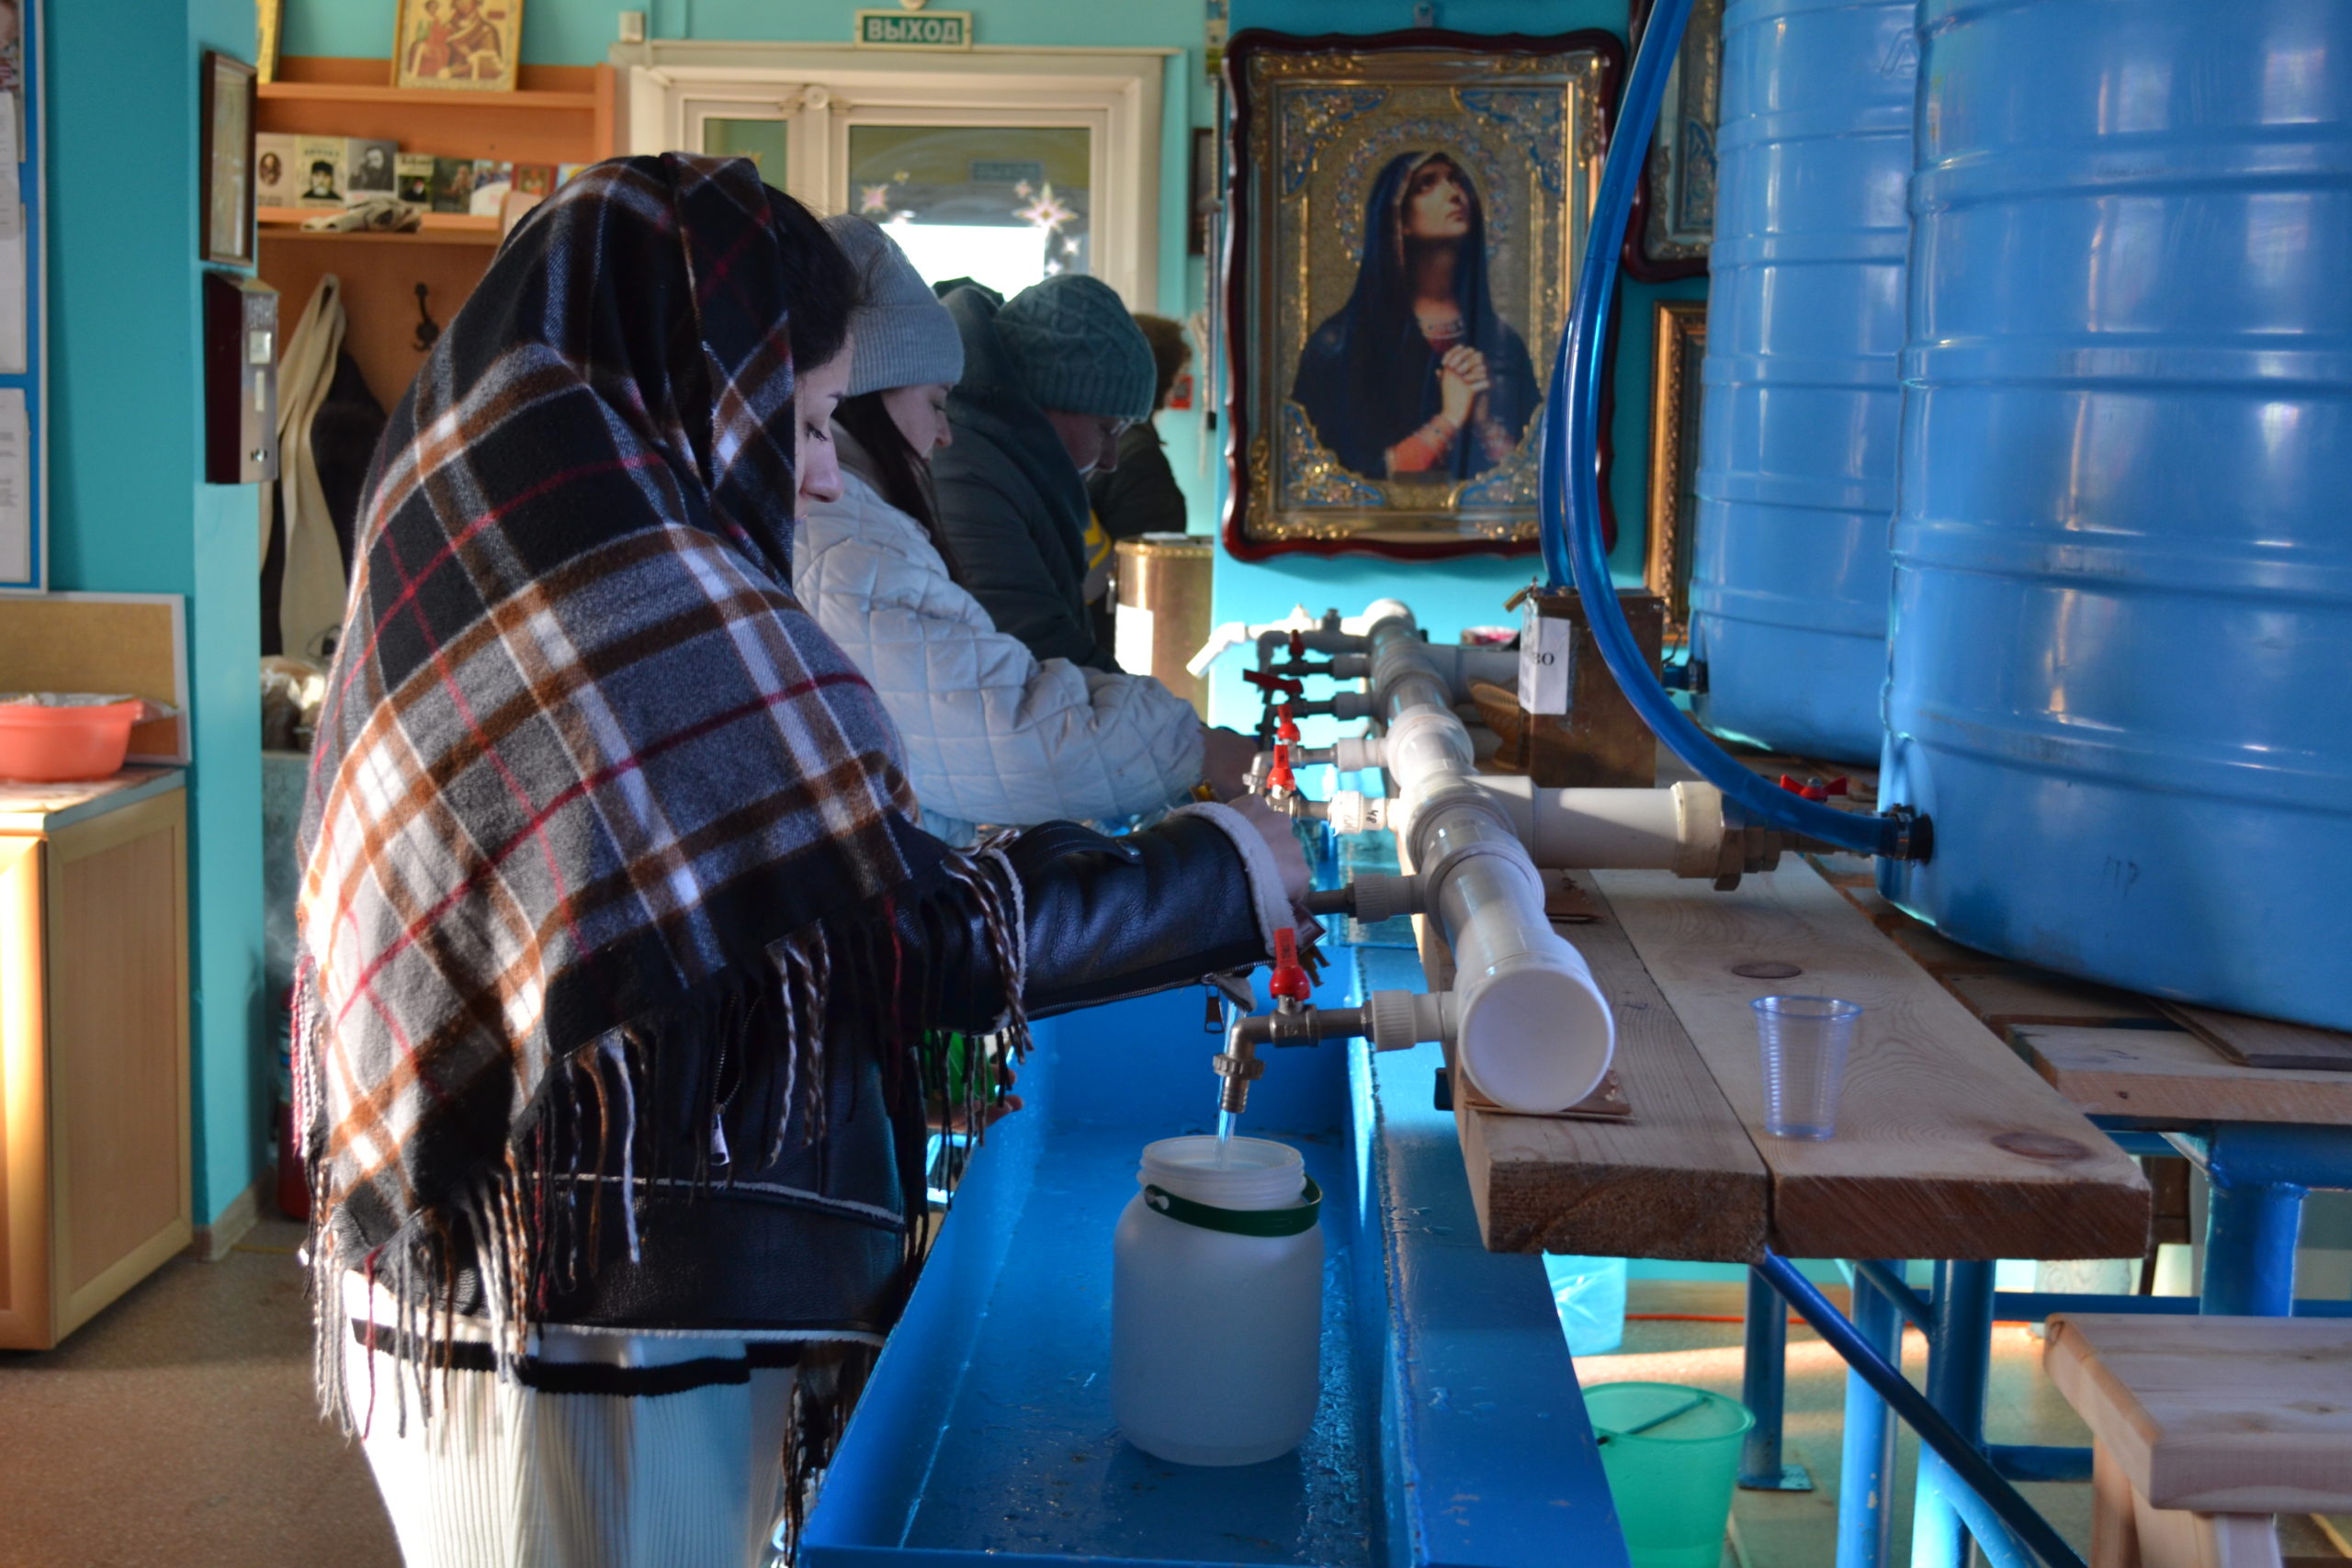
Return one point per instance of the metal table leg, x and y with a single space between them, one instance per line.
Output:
1996 1511
2250 1232
1866 1472
1764 1383
1959 1355
2260 1172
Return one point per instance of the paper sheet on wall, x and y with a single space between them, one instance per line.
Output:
16 489
12 242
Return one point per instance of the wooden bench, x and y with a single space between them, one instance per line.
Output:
2205 1428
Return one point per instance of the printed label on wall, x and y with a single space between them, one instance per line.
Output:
1545 651
918 30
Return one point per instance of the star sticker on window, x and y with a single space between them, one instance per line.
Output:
1046 212
874 198
1024 190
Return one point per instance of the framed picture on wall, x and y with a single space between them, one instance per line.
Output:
1681 346
225 162
1673 218
470 45
1407 213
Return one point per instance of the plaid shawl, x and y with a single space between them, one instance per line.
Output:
595 798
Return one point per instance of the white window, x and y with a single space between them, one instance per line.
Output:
1004 165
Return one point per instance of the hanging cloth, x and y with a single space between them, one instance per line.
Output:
310 601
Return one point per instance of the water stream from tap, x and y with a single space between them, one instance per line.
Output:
1224 1121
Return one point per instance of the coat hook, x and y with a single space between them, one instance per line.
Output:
428 330
1425 13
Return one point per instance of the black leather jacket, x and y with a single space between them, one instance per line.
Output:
814 1242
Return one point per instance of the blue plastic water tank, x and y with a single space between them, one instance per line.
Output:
2121 663
1797 439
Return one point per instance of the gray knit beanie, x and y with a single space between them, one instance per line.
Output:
902 335
1077 349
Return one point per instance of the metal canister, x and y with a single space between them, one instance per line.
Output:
1804 388
1163 610
2122 575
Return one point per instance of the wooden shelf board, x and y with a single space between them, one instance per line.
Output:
426 236
520 101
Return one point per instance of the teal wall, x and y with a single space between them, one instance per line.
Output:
129 511
1447 595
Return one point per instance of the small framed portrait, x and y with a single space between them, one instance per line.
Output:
1673 219
1407 213
225 186
1680 348
463 44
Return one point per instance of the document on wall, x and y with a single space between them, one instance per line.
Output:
16 489
12 244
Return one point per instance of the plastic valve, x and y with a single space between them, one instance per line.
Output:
1816 788
1273 685
1280 780
1289 980
1285 727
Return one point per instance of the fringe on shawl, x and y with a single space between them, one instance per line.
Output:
522 1224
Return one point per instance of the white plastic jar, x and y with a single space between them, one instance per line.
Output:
1216 1303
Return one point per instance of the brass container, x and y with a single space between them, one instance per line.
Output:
1163 610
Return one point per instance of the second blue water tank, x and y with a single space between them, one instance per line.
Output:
1805 333
2121 676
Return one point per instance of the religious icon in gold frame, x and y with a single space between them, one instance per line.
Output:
1680 348
1407 213
473 45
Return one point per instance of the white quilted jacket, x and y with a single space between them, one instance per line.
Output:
993 737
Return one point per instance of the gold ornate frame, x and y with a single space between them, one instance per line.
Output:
1313 120
1680 347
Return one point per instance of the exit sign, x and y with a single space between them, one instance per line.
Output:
914 29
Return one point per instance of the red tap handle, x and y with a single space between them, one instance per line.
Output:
1270 684
1285 728
1838 786
1278 774
1812 789
1297 644
1289 978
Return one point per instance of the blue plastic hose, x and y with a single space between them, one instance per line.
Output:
1570 521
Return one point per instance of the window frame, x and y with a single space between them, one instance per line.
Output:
822 90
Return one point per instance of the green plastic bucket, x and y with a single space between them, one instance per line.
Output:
1672 1457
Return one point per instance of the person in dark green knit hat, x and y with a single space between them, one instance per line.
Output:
1052 378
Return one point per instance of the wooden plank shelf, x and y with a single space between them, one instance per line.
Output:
520 101
1948 1146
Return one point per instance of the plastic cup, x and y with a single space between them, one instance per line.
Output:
1672 1457
1804 1040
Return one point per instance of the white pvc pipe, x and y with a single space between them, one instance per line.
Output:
1678 829
1534 1031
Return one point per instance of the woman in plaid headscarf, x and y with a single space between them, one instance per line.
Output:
624 957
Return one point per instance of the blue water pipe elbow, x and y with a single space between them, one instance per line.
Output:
1568 491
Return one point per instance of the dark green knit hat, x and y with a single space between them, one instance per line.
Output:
1077 349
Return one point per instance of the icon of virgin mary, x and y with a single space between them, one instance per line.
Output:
1416 375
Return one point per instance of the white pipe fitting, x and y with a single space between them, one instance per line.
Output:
1398 1021
1532 1030
1679 829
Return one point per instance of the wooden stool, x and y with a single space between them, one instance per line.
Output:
2204 1427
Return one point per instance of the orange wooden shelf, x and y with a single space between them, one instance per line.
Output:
440 228
521 100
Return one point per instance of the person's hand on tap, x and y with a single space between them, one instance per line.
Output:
1226 757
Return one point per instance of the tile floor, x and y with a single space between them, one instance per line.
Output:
179 1428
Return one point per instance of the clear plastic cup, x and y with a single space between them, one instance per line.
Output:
1804 1042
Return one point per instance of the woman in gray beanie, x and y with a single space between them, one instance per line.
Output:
1052 378
994 736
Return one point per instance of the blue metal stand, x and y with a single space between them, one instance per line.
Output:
1764 1382
2260 1173
1959 1358
1866 1468
2006 1525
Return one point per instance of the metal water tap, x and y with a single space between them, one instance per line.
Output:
1390 1020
